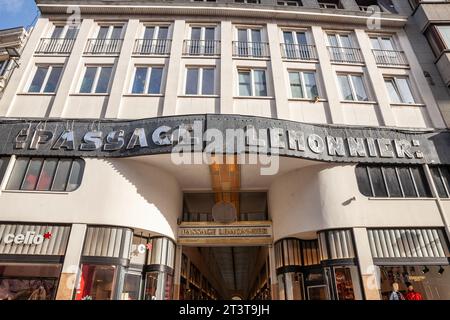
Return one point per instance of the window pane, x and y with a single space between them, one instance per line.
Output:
18 173
332 39
57 32
310 85
438 182
139 80
116 33
446 176
96 282
377 182
421 182
363 181
192 81
38 80
405 90
256 35
245 88
196 33
345 88
296 85
32 175
360 90
149 32
445 34
88 81
103 80
131 287
62 175
208 81
103 33
288 38
387 44
407 183
375 43
392 89
75 175
47 174
163 33
3 166
155 81
71 33
301 38
392 182
210 34
53 80
345 41
260 83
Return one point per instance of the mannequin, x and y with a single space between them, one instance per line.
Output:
396 295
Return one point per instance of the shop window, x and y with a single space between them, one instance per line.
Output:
441 178
392 181
158 286
4 161
131 287
97 282
29 281
347 283
46 174
428 282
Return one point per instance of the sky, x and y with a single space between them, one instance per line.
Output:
17 13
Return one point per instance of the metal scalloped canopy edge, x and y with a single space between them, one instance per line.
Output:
246 134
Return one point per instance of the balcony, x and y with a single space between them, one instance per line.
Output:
390 58
104 46
251 49
55 46
298 51
152 47
345 55
201 48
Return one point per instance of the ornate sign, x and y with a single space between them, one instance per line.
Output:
237 233
228 134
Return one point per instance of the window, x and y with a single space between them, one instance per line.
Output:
303 84
438 37
96 79
248 1
249 43
340 40
252 83
97 282
64 32
441 178
4 161
147 80
392 181
200 81
46 174
203 41
399 90
46 79
352 87
3 67
110 32
382 43
289 3
325 5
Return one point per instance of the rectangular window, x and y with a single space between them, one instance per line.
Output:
303 84
46 174
441 178
147 80
393 181
4 161
352 87
200 81
46 79
399 90
252 83
3 67
96 79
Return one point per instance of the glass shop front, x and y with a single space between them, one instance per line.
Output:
31 258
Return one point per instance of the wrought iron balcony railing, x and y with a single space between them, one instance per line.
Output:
251 49
152 47
104 46
298 51
390 57
55 46
201 47
345 55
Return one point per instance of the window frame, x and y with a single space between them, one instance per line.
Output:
394 78
65 28
147 80
200 81
41 170
303 84
99 68
110 31
349 77
252 82
157 27
45 80
4 65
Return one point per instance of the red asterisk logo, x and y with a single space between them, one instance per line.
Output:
149 246
48 235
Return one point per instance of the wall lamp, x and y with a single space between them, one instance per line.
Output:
441 270
425 270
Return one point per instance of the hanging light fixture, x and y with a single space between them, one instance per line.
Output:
441 270
425 269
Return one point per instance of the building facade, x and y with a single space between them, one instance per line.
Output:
11 44
222 150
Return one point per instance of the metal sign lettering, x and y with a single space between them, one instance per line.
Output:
230 134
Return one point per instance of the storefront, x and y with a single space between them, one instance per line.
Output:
31 258
415 258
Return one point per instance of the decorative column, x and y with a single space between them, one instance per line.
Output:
174 69
122 67
369 275
74 63
177 275
273 274
70 271
278 72
328 75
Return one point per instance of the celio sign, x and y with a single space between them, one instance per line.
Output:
224 134
29 238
